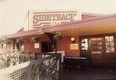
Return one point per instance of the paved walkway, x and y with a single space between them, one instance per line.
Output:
88 74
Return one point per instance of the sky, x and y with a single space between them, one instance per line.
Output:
13 13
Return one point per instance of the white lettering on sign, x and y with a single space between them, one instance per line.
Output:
49 18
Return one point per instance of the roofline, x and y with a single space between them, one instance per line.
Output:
22 33
80 22
93 14
59 26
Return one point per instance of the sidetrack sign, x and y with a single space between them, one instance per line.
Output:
38 19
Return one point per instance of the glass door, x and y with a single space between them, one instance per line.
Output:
97 52
100 50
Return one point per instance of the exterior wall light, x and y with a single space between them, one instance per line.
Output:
73 39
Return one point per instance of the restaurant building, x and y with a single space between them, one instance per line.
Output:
83 34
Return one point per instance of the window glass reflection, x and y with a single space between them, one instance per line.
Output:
84 44
109 42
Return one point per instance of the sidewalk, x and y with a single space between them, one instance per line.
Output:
88 74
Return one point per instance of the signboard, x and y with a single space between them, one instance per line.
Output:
73 46
38 19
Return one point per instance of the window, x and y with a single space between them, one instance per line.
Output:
109 42
84 44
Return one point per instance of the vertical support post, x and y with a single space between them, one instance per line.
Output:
55 46
55 42
60 67
54 38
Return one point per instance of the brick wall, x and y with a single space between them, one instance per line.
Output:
29 46
62 44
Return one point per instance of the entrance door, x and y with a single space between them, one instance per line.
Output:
100 50
46 47
97 52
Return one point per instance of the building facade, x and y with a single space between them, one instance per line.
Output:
91 35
